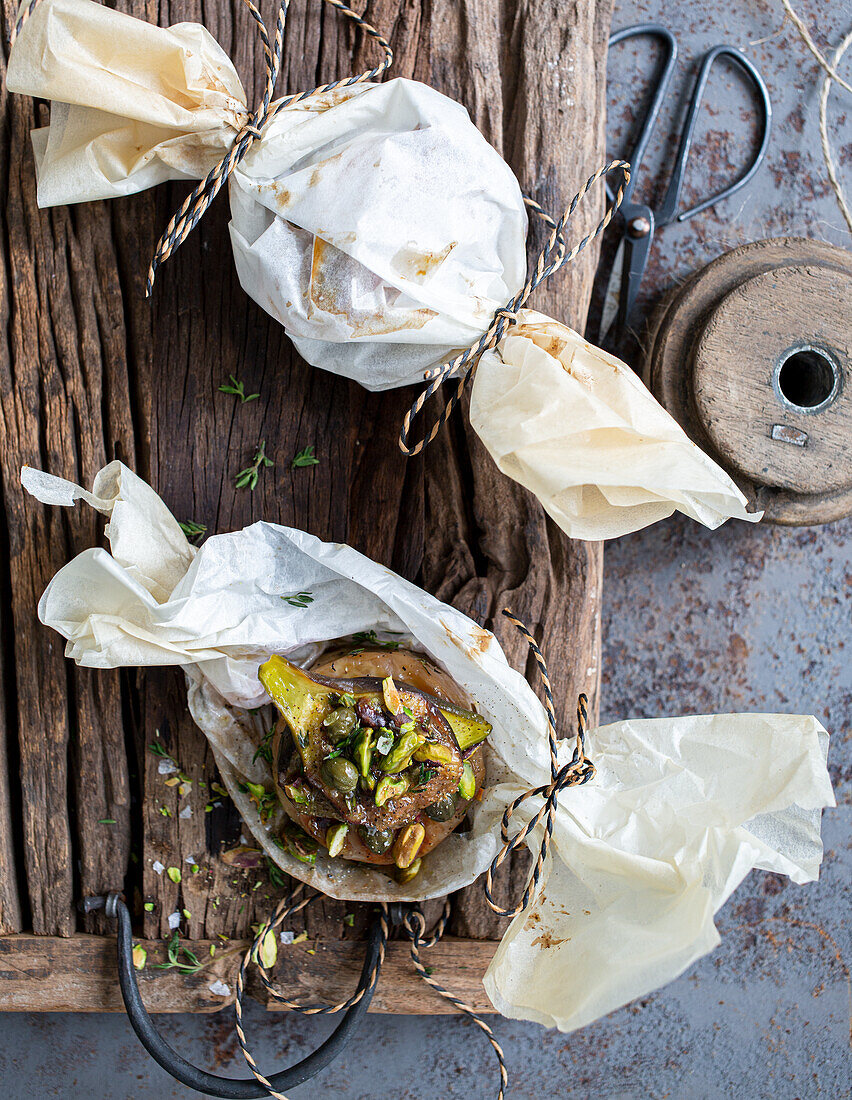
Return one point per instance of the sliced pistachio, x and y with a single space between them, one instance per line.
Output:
335 838
399 757
140 957
406 874
409 841
266 952
434 752
362 751
467 784
367 783
390 786
296 794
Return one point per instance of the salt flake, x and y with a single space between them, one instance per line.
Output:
158 867
166 767
174 921
220 988
185 813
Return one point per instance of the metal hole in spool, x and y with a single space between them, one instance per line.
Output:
806 379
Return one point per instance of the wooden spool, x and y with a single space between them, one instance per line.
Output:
753 357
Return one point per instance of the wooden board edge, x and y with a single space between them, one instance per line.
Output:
78 974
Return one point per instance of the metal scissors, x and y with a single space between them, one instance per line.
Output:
639 221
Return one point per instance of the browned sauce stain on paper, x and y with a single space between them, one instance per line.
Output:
418 266
324 296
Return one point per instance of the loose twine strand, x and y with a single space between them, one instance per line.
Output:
577 771
831 74
551 258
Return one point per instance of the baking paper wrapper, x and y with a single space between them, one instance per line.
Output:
375 222
382 230
580 430
679 811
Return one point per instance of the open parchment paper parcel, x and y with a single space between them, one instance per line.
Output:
383 231
679 811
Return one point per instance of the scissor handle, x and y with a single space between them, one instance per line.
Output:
667 211
669 60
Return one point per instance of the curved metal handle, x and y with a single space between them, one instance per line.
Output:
668 208
210 1083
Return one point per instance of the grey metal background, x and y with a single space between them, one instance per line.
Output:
742 619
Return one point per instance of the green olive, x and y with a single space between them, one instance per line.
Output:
443 809
339 774
377 840
342 723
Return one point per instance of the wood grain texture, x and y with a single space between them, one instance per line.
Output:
93 371
47 974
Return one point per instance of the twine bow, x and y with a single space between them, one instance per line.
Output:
551 258
198 200
577 771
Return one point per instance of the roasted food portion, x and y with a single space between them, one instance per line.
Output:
377 762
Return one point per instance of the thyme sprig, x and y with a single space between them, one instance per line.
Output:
248 477
305 458
237 388
193 531
179 957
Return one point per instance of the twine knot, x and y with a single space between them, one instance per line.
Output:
201 196
550 259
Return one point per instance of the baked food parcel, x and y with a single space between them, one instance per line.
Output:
376 223
376 754
641 858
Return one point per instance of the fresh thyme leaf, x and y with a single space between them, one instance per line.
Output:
107 821
238 390
276 875
247 478
305 458
372 638
422 776
189 964
157 749
298 599
264 749
193 530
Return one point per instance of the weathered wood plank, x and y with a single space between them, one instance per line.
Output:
533 77
95 371
46 974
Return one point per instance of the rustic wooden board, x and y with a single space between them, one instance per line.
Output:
93 371
78 974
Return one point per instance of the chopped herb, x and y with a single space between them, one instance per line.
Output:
298 599
347 699
173 873
305 458
187 964
248 477
193 530
148 907
212 950
107 821
372 638
164 811
349 919
238 390
422 776
276 875
186 914
194 869
264 749
429 970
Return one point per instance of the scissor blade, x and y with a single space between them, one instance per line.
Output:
612 298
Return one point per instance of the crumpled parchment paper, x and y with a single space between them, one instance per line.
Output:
381 229
642 857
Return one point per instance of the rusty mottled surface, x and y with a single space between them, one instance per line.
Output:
743 619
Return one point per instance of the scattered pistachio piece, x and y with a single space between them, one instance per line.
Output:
140 957
148 907
173 873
